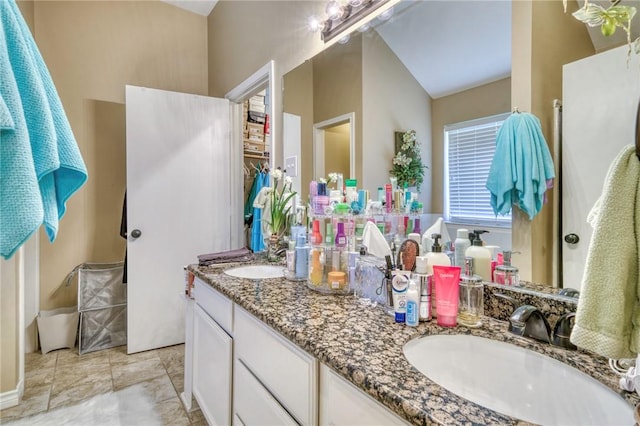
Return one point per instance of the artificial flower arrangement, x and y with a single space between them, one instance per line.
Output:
407 163
280 208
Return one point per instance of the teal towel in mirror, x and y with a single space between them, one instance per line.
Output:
40 166
522 166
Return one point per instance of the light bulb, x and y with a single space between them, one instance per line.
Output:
364 27
345 39
334 10
314 24
384 16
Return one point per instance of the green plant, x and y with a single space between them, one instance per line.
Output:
609 19
280 208
407 163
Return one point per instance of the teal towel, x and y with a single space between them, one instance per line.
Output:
41 166
522 166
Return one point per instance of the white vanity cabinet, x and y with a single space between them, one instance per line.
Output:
247 374
341 403
285 371
212 354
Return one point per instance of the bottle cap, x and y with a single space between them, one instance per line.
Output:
351 182
463 233
477 241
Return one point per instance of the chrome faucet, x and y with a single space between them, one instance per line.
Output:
528 321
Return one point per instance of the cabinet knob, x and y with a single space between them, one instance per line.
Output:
136 233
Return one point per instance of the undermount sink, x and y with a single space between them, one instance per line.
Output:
517 382
256 272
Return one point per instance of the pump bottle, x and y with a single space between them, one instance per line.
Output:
461 244
481 256
435 257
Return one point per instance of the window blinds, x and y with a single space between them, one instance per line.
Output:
469 150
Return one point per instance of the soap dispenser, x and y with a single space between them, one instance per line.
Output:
471 297
506 273
481 256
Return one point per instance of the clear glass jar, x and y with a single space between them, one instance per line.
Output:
471 297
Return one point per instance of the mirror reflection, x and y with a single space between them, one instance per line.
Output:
431 65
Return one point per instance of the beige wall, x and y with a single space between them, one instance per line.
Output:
337 89
489 99
93 49
545 40
392 101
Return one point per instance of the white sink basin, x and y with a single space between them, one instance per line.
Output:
256 272
516 381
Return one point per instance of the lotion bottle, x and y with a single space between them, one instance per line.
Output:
413 304
481 256
435 257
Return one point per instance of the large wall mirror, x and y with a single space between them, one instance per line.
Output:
433 63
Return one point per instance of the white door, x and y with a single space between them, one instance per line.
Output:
178 204
600 100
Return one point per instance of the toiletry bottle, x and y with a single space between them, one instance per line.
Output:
388 201
461 244
447 284
302 257
435 257
471 302
291 258
316 236
424 281
506 273
416 226
351 191
413 304
315 275
481 256
341 237
399 284
328 235
322 199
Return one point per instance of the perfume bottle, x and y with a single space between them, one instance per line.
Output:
471 297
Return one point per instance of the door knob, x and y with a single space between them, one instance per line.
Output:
571 239
136 233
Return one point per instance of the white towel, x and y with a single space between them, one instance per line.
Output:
608 315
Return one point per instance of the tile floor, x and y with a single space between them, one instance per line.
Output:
63 377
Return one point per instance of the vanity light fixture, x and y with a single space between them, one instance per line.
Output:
345 16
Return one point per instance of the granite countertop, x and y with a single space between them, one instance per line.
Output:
364 345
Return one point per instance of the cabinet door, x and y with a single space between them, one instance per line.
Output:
212 357
253 405
341 403
290 374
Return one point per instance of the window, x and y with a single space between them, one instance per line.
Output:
469 149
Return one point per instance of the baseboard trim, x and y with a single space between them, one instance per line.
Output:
12 398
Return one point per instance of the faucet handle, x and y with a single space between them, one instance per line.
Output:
528 321
562 331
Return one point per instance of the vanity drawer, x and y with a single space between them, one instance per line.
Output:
288 373
215 304
253 404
